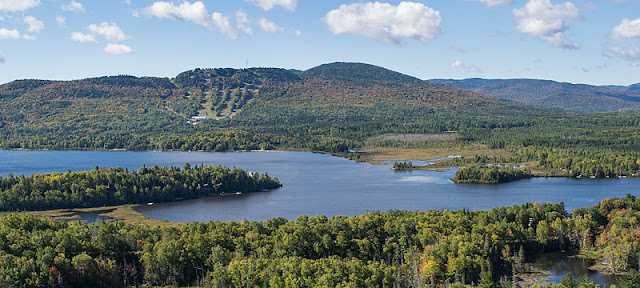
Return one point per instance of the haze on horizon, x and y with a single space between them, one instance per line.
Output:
593 42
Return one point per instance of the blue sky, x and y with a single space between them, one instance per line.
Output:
594 42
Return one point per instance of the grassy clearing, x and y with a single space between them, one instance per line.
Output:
400 154
124 213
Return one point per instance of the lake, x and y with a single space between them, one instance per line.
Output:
321 184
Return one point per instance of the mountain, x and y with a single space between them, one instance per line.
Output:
88 105
358 72
579 97
344 100
634 87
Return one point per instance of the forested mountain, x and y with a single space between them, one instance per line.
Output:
126 112
358 72
579 97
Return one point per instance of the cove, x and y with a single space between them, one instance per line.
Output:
321 184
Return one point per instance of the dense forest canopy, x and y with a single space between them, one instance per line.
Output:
377 249
116 186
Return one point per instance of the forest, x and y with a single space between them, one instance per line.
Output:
431 248
117 186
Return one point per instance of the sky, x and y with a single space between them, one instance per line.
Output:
594 42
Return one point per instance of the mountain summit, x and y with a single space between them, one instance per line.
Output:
358 71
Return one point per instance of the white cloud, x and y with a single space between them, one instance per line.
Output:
384 21
35 25
629 54
242 18
467 68
269 26
3 59
128 2
270 4
83 38
9 34
62 21
110 32
629 29
491 3
18 5
196 13
296 32
545 20
73 6
117 49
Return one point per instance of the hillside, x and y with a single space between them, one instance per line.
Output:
580 97
361 72
275 107
90 105
634 87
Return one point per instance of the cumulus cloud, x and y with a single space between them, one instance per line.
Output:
18 5
9 34
117 49
491 3
242 19
3 59
630 54
628 29
296 32
269 26
467 68
384 21
35 25
547 21
83 38
73 6
196 13
62 21
270 4
109 31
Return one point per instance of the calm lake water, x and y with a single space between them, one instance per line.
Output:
560 264
321 184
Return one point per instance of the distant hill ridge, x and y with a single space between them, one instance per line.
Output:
221 92
358 71
581 97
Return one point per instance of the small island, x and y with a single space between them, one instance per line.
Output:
406 166
489 175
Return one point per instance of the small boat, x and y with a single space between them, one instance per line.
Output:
238 193
150 204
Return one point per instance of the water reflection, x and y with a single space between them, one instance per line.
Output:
559 264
